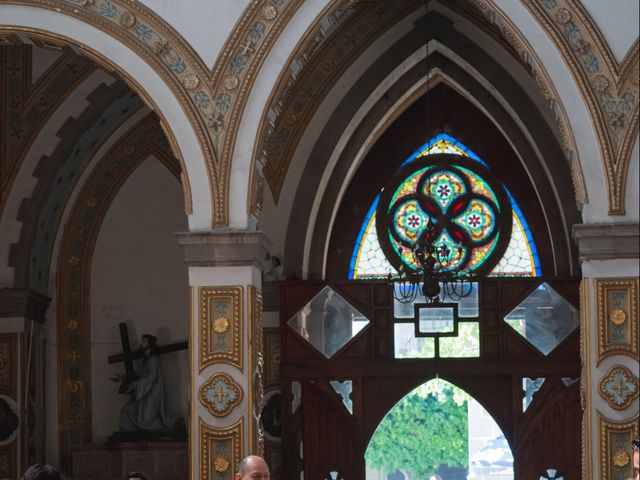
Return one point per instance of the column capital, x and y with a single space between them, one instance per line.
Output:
224 248
23 302
607 241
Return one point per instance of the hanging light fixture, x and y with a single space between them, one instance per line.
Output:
433 278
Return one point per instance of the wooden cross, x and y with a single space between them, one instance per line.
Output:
127 356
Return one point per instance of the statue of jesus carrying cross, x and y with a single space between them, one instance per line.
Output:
144 417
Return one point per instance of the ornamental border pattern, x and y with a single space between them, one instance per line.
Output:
256 356
606 395
610 459
610 89
210 384
275 111
208 438
74 274
232 353
510 33
606 313
42 104
295 98
206 95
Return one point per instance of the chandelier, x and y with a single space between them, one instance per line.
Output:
432 279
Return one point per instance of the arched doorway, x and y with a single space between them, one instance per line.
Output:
438 431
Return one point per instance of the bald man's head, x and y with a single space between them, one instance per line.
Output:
252 468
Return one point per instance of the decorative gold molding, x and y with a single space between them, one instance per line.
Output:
610 89
213 99
256 356
281 125
619 387
510 33
585 380
99 59
297 95
617 317
220 394
615 447
220 450
220 306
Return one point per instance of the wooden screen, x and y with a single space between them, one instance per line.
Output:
320 436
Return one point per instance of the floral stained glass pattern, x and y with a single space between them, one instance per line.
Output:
442 200
477 222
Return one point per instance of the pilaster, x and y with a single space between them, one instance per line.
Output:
22 312
226 348
609 330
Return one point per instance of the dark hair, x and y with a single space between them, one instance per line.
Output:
635 443
41 471
153 343
140 475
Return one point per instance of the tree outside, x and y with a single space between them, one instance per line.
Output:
425 434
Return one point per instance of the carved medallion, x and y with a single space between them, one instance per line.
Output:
221 464
619 387
221 324
190 81
220 394
617 316
127 19
621 459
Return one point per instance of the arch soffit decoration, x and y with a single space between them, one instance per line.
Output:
109 109
213 99
610 89
74 272
318 171
375 123
295 98
34 103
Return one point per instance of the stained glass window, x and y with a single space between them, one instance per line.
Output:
434 192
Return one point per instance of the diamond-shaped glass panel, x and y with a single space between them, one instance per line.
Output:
544 318
328 322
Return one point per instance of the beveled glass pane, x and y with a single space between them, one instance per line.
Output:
328 322
436 320
406 345
465 345
467 306
544 318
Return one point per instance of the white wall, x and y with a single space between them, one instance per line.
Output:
139 277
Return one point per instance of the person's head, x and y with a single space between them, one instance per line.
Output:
252 468
136 476
150 343
635 444
41 471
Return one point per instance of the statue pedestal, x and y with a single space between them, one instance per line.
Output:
159 460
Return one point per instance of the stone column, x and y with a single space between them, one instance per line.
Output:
21 380
609 332
225 349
